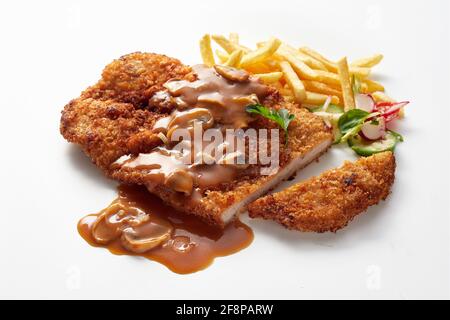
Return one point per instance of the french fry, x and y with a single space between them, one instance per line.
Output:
328 77
206 51
277 85
234 38
330 65
293 81
299 66
286 91
235 58
302 75
308 60
287 94
320 87
270 77
367 62
347 91
261 67
381 97
273 64
223 56
262 53
361 72
372 86
317 99
226 44
363 88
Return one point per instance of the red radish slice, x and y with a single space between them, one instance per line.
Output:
326 104
390 110
373 131
396 107
364 102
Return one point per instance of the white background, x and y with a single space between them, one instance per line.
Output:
51 50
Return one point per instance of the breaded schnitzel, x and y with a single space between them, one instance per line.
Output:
109 120
115 118
331 200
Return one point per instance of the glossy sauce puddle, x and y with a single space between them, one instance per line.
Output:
193 244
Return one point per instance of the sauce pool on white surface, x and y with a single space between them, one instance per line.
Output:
138 223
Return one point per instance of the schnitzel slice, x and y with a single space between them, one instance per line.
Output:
331 200
115 118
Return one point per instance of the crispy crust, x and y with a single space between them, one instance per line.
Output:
135 77
112 118
331 200
108 119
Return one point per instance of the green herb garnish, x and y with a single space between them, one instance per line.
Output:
397 136
350 123
282 117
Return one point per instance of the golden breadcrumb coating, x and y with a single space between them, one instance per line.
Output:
113 118
108 119
331 200
135 77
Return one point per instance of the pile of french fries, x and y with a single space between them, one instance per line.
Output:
301 75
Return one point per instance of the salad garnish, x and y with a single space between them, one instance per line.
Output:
364 128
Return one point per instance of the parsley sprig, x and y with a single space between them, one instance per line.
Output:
282 117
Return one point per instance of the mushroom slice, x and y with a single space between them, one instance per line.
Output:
211 99
247 100
180 180
181 244
122 215
186 118
114 219
101 232
161 124
176 87
145 237
171 131
232 73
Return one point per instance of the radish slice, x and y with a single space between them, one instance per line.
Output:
364 102
373 131
395 108
390 110
326 104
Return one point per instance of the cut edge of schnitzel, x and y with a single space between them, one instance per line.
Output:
284 174
328 202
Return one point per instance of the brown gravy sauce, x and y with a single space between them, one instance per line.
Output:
183 243
224 91
217 100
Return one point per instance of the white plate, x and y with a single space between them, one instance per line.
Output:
51 50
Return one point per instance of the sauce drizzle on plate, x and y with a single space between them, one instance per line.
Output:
181 242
